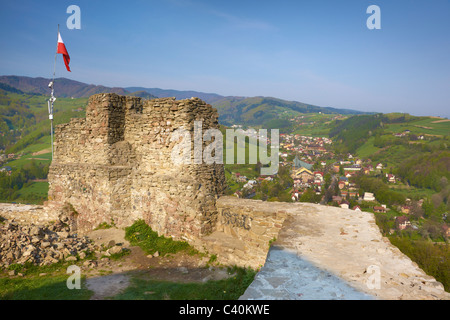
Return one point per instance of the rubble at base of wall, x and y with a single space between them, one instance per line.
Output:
40 244
23 242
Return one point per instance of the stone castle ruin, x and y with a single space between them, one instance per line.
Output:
115 166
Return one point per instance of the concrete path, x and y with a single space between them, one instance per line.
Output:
327 253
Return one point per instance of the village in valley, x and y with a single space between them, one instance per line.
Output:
318 175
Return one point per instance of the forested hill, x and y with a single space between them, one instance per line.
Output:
263 111
353 132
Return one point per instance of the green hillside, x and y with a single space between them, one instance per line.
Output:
24 118
263 111
25 135
415 149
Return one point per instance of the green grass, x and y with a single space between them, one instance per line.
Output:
41 144
412 192
35 193
41 288
320 128
313 131
367 149
53 285
423 125
38 103
34 286
393 155
33 122
19 163
228 289
140 234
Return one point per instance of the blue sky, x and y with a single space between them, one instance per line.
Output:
316 51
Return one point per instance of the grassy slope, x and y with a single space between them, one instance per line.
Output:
65 109
434 132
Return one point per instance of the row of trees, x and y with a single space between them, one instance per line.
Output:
427 170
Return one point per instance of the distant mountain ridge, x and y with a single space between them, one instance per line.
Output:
249 111
254 111
164 93
65 88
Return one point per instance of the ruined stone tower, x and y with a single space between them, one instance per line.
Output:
115 166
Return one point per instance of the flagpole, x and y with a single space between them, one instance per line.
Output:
54 66
52 97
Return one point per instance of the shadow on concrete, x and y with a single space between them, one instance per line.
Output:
286 276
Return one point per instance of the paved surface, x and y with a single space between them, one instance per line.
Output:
327 253
286 276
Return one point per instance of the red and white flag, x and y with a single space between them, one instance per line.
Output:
62 49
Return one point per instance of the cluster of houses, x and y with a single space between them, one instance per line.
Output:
407 133
7 170
303 175
300 120
7 157
403 222
299 143
352 166
249 184
4 158
310 151
311 148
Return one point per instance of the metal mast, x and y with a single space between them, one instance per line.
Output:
52 97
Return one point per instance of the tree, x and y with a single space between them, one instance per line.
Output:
443 183
428 208
436 199
310 196
416 211
383 223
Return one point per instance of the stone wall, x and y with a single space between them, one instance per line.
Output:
255 222
26 214
115 166
245 229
